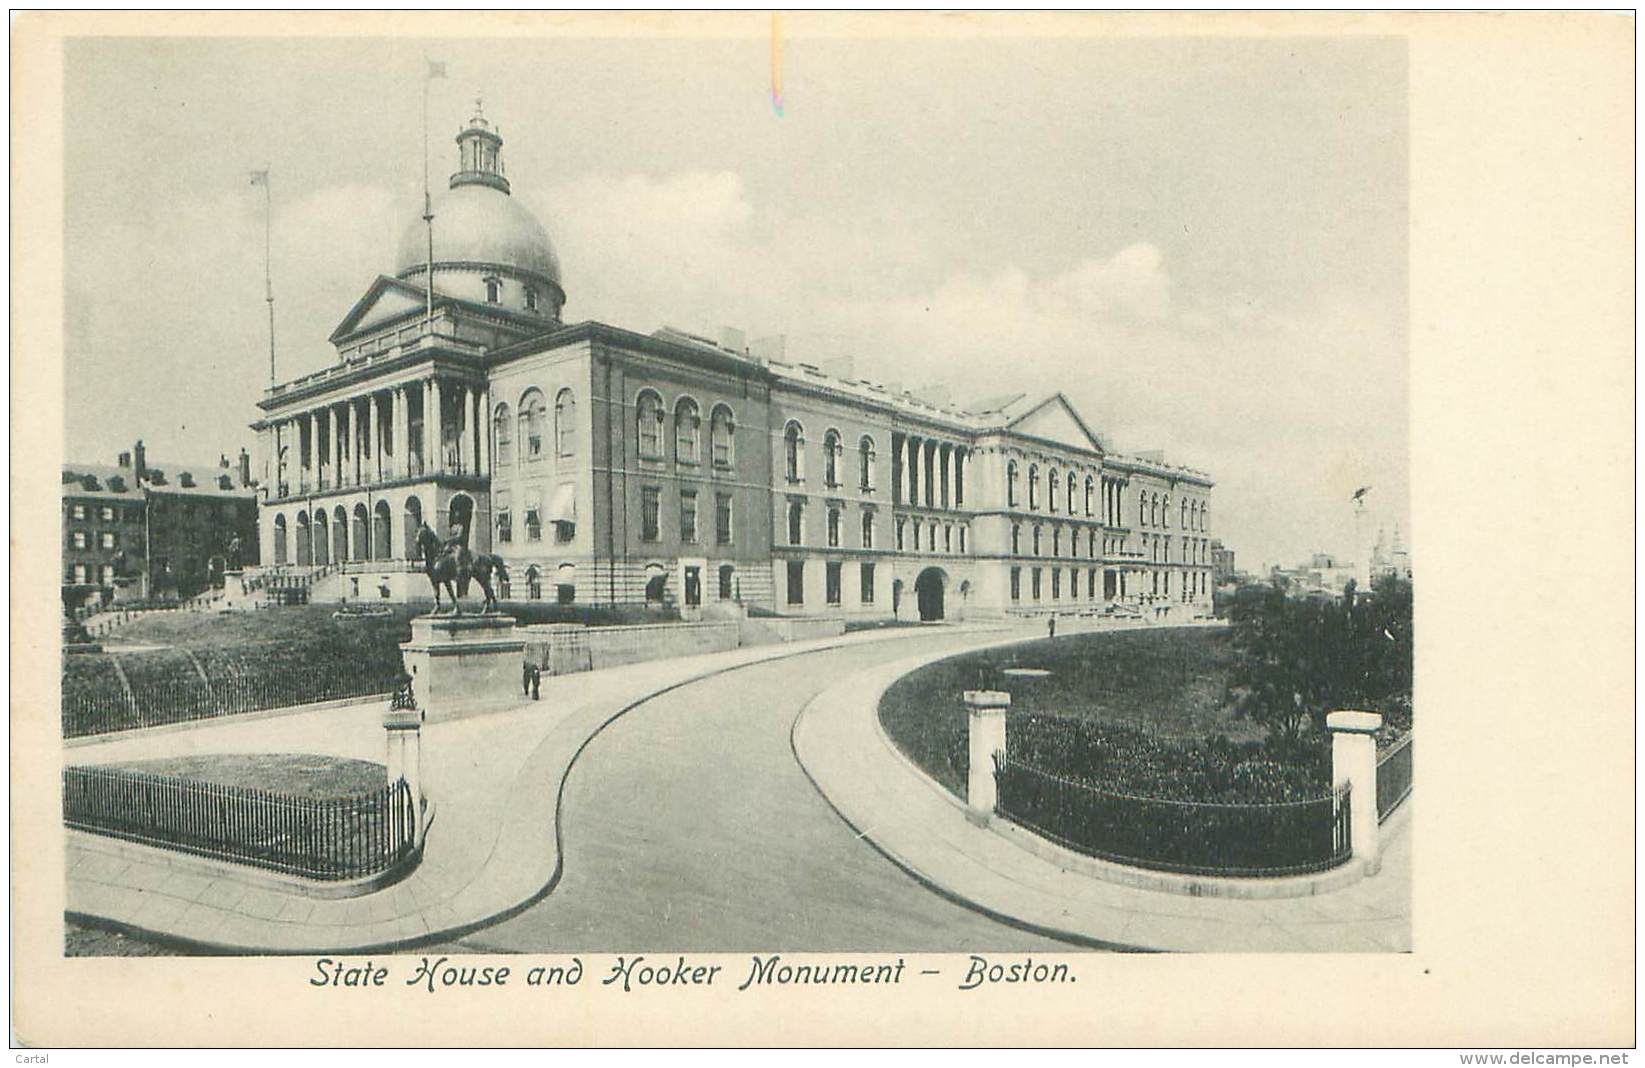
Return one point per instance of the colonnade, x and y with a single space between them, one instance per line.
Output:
928 472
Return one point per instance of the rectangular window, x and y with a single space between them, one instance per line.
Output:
722 518
650 513
796 582
78 539
866 583
79 573
832 575
947 539
962 539
900 525
688 515
106 513
1036 584
505 519
726 571
1056 583
78 511
105 574
1016 584
533 517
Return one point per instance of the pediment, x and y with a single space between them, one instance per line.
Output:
1054 419
386 300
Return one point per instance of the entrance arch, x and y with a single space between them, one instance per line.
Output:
339 535
321 536
462 515
928 589
380 541
412 524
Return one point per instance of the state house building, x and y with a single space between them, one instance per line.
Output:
611 467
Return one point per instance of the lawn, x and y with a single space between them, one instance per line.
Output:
307 775
1167 684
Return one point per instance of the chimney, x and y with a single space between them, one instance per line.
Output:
222 461
766 349
186 480
245 468
733 339
141 460
125 460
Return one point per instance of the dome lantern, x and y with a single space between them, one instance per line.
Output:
480 150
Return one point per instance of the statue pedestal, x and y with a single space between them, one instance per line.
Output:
235 597
459 664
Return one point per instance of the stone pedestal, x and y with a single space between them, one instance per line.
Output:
234 592
987 709
404 733
1354 761
461 663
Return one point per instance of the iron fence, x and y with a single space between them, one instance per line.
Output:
1188 837
162 701
332 839
1394 777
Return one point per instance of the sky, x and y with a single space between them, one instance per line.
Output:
1201 242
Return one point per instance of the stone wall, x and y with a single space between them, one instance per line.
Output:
562 648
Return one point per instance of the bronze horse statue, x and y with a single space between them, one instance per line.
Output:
452 565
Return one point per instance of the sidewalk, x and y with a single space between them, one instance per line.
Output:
921 827
492 849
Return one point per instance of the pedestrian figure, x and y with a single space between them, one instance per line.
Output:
531 681
1053 626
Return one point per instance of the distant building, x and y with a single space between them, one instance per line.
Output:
142 530
1390 558
1222 563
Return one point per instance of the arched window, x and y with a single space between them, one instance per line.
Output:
532 412
1205 517
1165 511
1142 509
648 416
865 463
1072 486
1037 532
831 458
279 539
688 426
793 452
503 431
721 428
1052 484
1011 484
1033 486
1016 539
565 423
868 530
833 528
1182 518
1056 541
796 523
1153 510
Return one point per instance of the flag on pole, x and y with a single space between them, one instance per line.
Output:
436 69
260 177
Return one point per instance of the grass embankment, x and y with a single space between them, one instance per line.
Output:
311 776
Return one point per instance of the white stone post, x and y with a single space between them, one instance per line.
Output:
1354 762
986 720
404 729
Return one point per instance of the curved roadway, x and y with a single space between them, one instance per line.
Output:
688 825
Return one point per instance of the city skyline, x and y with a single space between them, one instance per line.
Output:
930 209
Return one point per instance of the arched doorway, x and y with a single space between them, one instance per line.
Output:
413 523
928 588
361 534
279 539
305 550
322 538
381 546
462 515
339 535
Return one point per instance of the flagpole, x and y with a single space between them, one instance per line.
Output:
428 214
268 267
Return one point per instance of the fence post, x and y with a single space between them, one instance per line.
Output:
403 725
1354 761
986 723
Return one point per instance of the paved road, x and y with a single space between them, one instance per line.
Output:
689 826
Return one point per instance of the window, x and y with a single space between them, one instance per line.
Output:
1033 486
77 539
796 582
1091 544
1011 484
80 574
931 537
533 410
1051 485
868 530
688 426
831 582
1037 533
533 517
688 515
530 298
1182 519
900 524
1165 511
503 434
1056 583
722 519
650 513
796 523
106 513
962 539
720 431
648 415
726 571
105 575
1016 584
947 538
505 521
78 511
494 291
833 528
831 458
693 587
1091 586
865 582
656 583
865 464
1142 510
565 592
1056 541
565 423
1036 584
1016 539
793 452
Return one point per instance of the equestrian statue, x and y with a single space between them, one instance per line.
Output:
450 564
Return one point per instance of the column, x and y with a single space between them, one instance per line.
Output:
402 432
311 465
1354 763
930 473
913 468
895 455
436 426
482 405
374 467
960 456
471 429
945 453
986 711
353 433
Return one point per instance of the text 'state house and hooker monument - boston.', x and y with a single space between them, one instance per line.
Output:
609 467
